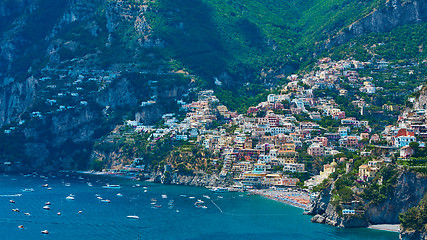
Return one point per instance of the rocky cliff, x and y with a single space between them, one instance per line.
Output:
395 13
408 191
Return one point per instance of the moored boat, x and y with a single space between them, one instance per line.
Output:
219 189
133 217
112 186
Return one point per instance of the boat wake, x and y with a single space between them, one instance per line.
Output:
11 195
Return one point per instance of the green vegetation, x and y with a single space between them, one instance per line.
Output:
416 217
381 186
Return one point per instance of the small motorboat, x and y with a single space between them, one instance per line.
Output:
15 210
28 190
112 186
11 201
119 195
80 211
27 214
133 217
47 203
69 197
45 185
49 188
105 200
67 184
164 196
21 226
59 213
46 208
45 232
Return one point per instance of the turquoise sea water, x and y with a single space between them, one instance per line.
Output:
234 216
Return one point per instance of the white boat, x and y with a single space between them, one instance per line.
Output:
45 232
219 189
133 217
112 186
164 196
45 185
69 197
46 208
105 200
47 203
119 195
89 184
67 184
15 210
206 196
27 214
28 190
11 201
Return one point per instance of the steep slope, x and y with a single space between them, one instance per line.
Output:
104 58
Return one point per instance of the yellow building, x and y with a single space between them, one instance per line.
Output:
366 172
287 156
272 180
253 179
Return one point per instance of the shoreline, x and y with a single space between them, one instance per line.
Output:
294 198
386 227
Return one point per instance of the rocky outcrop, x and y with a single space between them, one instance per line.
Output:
408 192
412 235
15 98
325 212
199 180
395 13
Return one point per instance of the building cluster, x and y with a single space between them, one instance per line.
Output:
262 147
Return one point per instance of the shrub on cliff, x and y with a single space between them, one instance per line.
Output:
416 217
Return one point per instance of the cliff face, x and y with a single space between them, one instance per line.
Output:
15 98
395 13
408 192
325 212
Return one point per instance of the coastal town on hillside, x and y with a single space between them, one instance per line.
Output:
268 145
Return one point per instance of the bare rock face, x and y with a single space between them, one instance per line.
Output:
395 13
410 189
15 98
412 235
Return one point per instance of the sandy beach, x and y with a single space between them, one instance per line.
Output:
294 198
386 227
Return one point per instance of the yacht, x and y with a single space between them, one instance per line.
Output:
46 208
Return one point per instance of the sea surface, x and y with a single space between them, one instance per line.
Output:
226 216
